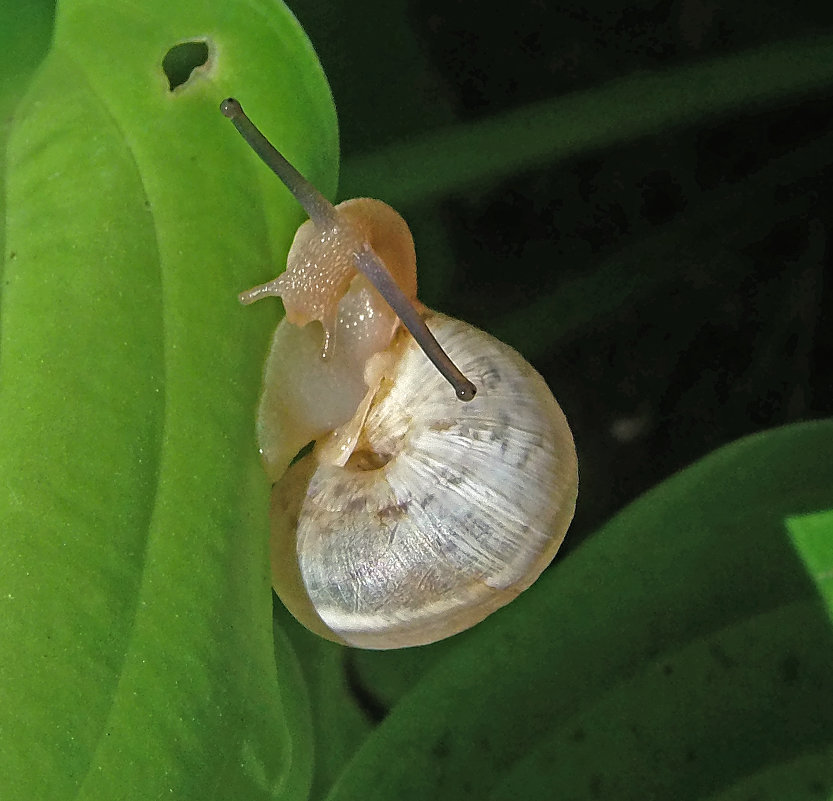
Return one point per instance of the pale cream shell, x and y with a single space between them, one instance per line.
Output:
470 506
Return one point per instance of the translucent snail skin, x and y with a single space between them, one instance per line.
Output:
422 508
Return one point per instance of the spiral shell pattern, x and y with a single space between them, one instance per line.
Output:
445 512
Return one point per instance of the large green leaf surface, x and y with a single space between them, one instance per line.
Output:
339 724
682 652
135 620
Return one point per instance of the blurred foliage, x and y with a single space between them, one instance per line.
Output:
688 258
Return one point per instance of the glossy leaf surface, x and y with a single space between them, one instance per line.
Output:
135 626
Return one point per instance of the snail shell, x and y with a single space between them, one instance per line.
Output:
443 513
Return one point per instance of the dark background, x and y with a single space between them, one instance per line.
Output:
694 262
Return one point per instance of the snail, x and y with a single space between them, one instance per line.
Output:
418 511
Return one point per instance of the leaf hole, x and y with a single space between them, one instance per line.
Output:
182 59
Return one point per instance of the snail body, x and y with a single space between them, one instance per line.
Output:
414 516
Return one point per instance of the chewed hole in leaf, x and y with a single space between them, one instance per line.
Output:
182 59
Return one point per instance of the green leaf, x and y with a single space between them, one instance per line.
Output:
812 536
339 725
805 778
680 651
135 625
25 29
